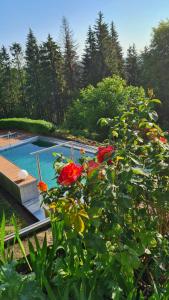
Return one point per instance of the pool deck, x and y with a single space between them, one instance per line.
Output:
7 142
11 171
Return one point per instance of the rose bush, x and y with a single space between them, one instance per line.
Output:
115 213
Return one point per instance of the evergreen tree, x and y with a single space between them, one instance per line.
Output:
156 67
106 62
71 66
118 49
7 100
132 66
146 69
33 77
52 80
18 76
89 59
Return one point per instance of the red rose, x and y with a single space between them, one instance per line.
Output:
42 186
104 153
92 165
163 139
69 174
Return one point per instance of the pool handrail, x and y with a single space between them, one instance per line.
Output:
9 134
37 153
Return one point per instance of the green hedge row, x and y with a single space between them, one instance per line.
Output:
34 126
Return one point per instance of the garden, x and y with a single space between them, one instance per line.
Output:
109 214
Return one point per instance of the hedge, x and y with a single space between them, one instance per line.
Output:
34 126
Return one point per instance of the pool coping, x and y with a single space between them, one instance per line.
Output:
54 141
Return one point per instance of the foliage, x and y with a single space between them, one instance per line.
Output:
89 59
14 286
42 81
35 126
104 100
132 66
114 218
52 81
71 66
103 54
117 49
154 68
33 88
109 217
9 211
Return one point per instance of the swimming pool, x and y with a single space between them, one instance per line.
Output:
21 156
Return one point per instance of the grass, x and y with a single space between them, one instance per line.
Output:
9 211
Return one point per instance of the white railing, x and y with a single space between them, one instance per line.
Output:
9 135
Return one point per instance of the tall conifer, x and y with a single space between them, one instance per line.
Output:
89 60
71 65
18 75
118 49
33 77
132 66
6 96
52 80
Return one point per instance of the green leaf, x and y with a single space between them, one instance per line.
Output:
155 101
153 116
140 171
2 238
103 122
135 160
115 133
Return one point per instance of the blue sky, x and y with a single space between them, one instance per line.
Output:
134 19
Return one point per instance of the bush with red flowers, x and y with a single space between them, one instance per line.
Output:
115 211
110 216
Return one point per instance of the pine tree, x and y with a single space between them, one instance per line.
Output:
89 59
18 76
71 65
107 63
156 68
33 80
7 101
132 66
52 80
118 49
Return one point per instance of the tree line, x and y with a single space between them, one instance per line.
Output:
42 80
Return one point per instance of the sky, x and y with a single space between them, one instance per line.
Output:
133 19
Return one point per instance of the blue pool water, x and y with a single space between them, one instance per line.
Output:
22 158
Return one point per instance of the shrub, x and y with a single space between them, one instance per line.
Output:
34 126
113 213
105 100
